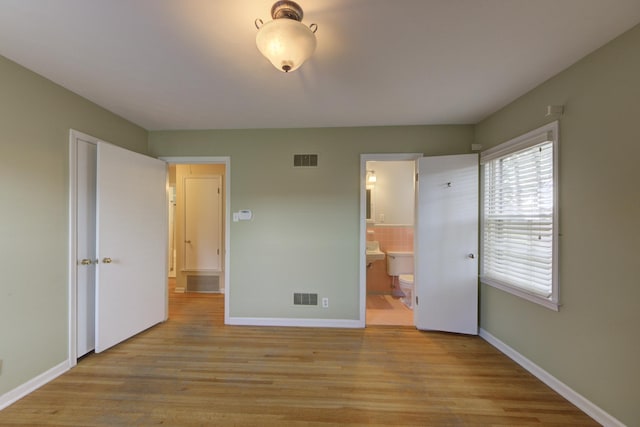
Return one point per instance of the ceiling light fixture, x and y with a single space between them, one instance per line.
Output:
286 42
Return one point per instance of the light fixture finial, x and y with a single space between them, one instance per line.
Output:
286 9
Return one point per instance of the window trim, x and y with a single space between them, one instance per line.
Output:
548 132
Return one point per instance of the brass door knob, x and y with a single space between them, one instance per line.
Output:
107 260
86 261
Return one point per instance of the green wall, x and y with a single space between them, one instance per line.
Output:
305 233
591 344
35 118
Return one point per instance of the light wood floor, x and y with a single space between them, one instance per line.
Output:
194 371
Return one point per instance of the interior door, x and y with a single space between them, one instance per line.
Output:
131 233
202 229
446 240
86 246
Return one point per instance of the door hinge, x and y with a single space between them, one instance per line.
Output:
218 251
218 190
416 299
417 176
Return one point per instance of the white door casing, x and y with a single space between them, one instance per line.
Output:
446 244
132 227
364 158
226 161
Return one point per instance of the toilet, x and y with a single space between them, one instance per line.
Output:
401 264
406 286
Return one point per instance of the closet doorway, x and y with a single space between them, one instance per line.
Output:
117 280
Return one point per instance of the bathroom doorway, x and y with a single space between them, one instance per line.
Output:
388 230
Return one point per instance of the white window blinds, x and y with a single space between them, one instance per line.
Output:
518 216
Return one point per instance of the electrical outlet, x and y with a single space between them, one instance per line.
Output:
325 302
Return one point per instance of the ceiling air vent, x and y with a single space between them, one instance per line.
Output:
305 160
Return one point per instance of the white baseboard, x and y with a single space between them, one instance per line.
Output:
33 384
561 388
307 323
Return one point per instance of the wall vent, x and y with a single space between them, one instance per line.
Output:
305 160
305 299
203 283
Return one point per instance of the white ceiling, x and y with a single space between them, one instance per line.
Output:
193 64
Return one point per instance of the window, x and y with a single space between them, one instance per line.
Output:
519 216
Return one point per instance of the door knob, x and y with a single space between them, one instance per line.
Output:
86 262
107 260
188 241
472 256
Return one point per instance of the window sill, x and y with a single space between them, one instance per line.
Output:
545 302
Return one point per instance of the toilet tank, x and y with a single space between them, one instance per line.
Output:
399 263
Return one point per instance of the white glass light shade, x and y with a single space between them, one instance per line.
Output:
287 43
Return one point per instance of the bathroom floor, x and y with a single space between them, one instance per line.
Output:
387 310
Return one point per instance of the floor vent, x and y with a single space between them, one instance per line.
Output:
305 299
305 160
203 283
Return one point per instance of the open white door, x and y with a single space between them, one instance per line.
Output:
131 227
446 244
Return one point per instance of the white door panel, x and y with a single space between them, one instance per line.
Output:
131 232
202 223
446 267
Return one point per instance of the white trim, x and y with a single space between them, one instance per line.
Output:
364 158
226 161
548 132
545 302
33 384
195 160
289 322
73 250
561 388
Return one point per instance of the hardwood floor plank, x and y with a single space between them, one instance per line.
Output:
195 371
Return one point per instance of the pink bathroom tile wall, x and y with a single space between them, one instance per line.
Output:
391 239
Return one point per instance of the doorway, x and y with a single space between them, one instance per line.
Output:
389 207
444 293
201 244
196 227
117 285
